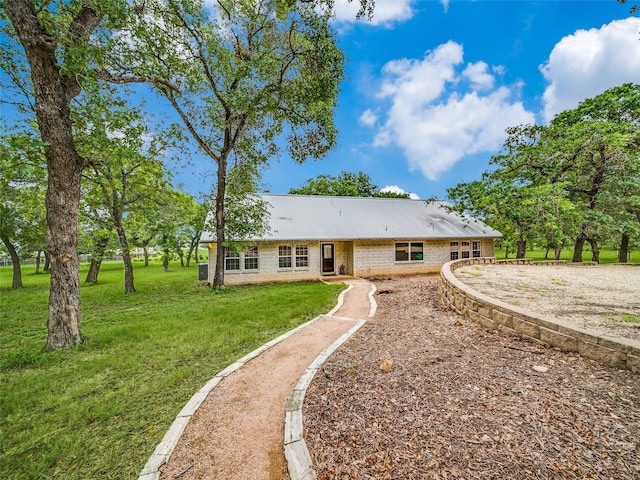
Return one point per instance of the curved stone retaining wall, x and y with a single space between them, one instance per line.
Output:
550 331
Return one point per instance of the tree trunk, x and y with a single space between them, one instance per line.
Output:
546 253
96 260
94 269
181 256
15 260
522 248
145 250
62 201
165 263
595 251
193 246
38 258
218 279
47 262
54 91
129 286
557 252
577 248
623 252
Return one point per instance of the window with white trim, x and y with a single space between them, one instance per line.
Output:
231 260
465 249
476 249
284 256
454 254
302 256
251 258
409 252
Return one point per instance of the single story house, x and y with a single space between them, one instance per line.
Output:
310 237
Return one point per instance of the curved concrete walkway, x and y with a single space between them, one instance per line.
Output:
254 391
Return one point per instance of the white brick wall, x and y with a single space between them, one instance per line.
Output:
359 257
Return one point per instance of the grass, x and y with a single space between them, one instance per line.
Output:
631 318
607 254
99 410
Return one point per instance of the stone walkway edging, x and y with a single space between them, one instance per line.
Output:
295 448
164 449
550 331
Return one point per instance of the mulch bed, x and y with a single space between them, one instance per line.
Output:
463 402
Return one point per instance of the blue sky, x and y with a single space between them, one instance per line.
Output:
432 85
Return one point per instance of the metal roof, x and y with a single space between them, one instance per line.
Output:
315 217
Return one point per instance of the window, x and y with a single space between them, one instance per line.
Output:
476 250
302 256
417 252
284 256
409 252
251 258
231 260
465 249
453 248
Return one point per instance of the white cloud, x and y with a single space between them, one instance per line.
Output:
397 189
386 12
435 119
478 74
368 118
589 62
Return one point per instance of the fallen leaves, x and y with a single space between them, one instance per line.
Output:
458 404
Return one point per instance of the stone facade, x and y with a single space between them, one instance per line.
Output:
491 313
360 258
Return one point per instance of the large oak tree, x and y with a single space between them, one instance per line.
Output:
56 40
244 77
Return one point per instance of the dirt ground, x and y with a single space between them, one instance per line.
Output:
463 402
602 297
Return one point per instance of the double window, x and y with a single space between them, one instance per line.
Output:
409 252
289 256
248 259
464 249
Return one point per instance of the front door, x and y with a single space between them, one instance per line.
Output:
327 258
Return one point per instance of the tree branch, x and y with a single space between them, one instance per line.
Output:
107 76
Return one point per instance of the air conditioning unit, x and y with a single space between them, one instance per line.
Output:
203 272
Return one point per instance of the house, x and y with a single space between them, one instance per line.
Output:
311 236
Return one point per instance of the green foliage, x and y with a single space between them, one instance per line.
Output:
22 191
575 180
346 184
99 410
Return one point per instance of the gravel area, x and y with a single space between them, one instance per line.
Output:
423 393
602 297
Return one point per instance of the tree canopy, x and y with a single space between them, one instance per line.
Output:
347 184
577 178
241 76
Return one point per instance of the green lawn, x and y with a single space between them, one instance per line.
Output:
98 411
607 254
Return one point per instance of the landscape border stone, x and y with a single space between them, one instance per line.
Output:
491 313
299 461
